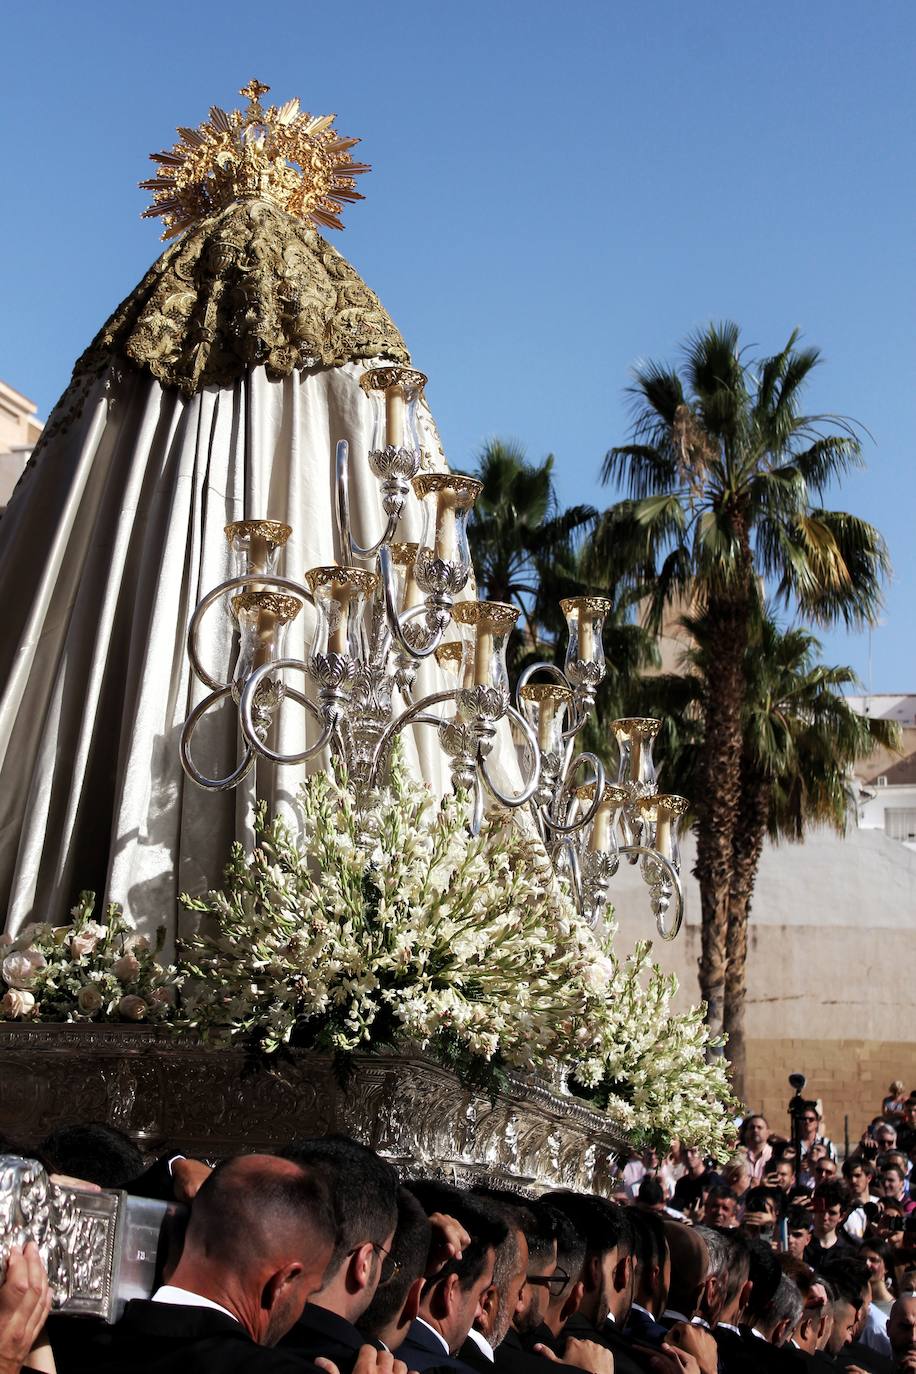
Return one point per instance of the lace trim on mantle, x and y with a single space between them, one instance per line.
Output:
250 286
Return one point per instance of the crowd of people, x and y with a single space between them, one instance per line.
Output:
319 1257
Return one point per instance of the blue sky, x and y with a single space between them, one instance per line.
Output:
556 191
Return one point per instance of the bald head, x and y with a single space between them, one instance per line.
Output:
256 1209
689 1267
260 1238
901 1331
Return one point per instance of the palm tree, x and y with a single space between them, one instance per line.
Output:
800 739
521 540
722 474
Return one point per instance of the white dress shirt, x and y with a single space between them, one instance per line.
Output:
483 1345
183 1297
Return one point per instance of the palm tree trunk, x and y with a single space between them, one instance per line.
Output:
720 792
747 847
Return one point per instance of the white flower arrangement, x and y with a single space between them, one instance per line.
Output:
422 934
87 971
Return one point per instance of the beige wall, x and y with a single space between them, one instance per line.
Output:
831 968
852 1076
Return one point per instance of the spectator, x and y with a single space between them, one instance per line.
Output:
824 1170
901 1330
638 1168
783 1175
893 1105
831 1203
859 1174
721 1208
885 1136
814 1143
799 1226
907 1132
892 1187
754 1137
694 1183
737 1175
880 1260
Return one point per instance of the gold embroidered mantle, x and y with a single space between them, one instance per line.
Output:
250 286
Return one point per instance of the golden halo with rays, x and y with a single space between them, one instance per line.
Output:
279 153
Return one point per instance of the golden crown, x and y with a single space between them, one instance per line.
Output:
279 153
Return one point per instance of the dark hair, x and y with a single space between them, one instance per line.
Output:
570 1244
486 1229
603 1225
649 1243
719 1192
764 1273
754 1116
410 1251
240 1210
858 1162
363 1187
650 1192
536 1223
799 1217
833 1193
756 1199
97 1153
849 1276
887 1256
738 1263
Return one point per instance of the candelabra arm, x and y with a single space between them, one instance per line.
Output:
261 580
348 544
184 749
667 932
562 828
530 786
391 611
477 809
414 715
246 714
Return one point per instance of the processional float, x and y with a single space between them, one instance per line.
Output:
251 400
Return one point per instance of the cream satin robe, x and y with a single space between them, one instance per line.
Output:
110 541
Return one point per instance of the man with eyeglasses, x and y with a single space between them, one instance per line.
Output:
364 1192
814 1145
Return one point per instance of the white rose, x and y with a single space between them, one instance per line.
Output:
126 968
89 999
16 1003
85 941
19 969
132 1008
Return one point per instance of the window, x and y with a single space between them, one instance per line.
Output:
900 823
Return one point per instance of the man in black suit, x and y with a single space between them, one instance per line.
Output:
653 1276
396 1303
451 1297
364 1192
607 1276
557 1295
261 1233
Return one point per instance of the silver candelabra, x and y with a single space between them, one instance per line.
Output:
393 604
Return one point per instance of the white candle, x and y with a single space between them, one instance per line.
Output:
483 654
600 838
635 757
586 635
547 709
412 593
445 527
663 834
395 411
337 638
258 553
468 664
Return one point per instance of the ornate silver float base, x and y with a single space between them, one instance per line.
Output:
166 1093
